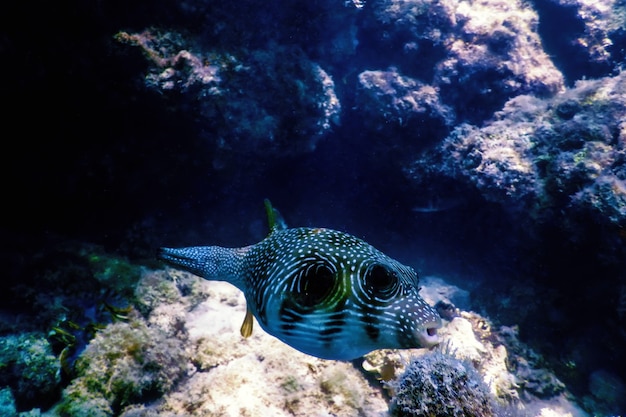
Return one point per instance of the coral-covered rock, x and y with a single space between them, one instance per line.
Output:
273 376
270 102
126 363
557 169
475 54
544 157
323 28
596 36
439 385
7 403
511 375
225 367
187 358
31 369
390 101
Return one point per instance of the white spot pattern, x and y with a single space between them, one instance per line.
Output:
324 292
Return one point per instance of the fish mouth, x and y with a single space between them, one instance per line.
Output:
427 336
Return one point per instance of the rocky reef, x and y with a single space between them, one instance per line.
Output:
546 156
475 54
440 385
30 372
178 352
240 96
554 165
587 37
557 167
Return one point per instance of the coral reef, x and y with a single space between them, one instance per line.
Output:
7 403
185 357
271 102
591 35
325 29
475 55
497 373
68 283
439 385
30 370
390 102
543 156
528 366
126 363
556 166
434 64
274 377
506 373
178 352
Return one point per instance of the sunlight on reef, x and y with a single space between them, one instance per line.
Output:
181 354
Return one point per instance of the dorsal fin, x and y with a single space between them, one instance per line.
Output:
274 219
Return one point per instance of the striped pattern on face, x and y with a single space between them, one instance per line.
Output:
332 295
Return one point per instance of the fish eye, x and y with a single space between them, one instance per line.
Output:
313 285
380 281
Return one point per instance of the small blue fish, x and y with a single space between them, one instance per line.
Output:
323 292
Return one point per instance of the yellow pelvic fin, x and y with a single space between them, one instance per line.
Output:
246 326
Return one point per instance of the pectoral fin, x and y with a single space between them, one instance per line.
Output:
246 327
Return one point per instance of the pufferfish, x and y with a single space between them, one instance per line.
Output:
323 292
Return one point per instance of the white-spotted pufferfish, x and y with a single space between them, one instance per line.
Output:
323 292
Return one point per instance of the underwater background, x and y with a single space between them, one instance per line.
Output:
481 142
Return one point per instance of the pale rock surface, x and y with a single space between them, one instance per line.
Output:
260 375
228 375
